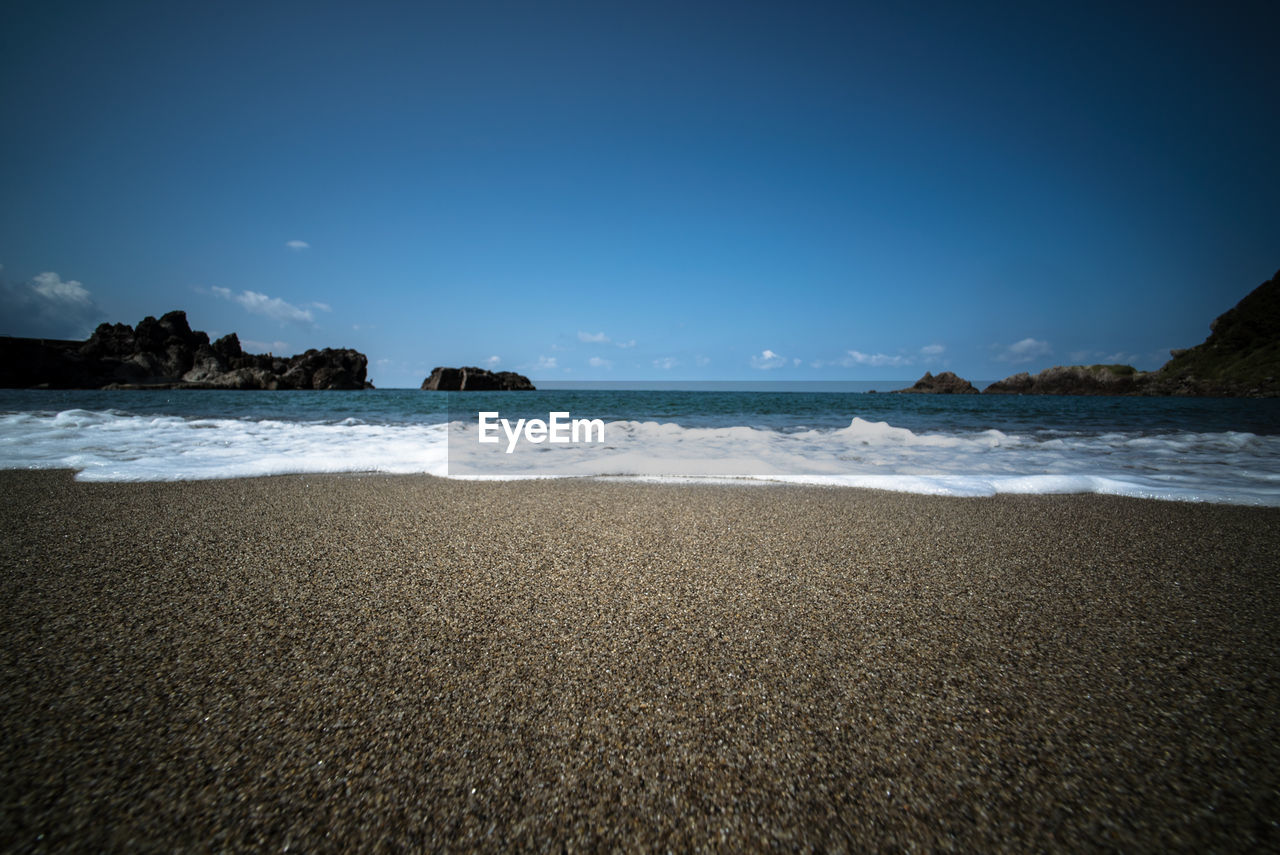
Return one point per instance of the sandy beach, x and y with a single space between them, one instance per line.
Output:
379 662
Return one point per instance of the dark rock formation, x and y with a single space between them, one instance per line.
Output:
1240 358
1073 380
26 362
472 379
168 354
946 383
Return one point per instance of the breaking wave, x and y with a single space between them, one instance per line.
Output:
1234 467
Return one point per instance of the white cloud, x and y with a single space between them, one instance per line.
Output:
545 363
626 344
279 348
1027 350
926 354
702 361
857 357
48 307
271 307
324 307
597 362
1117 358
593 338
666 363
767 360
297 245
492 362
51 286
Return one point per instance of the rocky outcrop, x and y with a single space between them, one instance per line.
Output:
1073 380
472 379
168 354
946 383
1240 358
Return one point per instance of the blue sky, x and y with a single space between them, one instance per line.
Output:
635 191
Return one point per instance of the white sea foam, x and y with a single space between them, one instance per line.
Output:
105 446
109 446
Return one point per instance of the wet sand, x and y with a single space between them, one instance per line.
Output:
374 662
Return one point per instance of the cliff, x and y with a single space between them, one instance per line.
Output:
168 354
1239 359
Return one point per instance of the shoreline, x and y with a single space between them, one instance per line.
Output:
673 481
373 660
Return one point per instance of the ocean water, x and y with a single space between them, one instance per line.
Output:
1216 450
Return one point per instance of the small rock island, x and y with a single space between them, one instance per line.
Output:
946 383
472 379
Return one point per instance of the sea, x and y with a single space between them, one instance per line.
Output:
837 434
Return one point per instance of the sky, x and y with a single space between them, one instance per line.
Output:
644 191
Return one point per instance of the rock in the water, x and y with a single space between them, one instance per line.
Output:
168 354
1073 380
472 379
946 383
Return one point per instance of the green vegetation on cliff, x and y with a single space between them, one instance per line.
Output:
1241 356
1239 359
